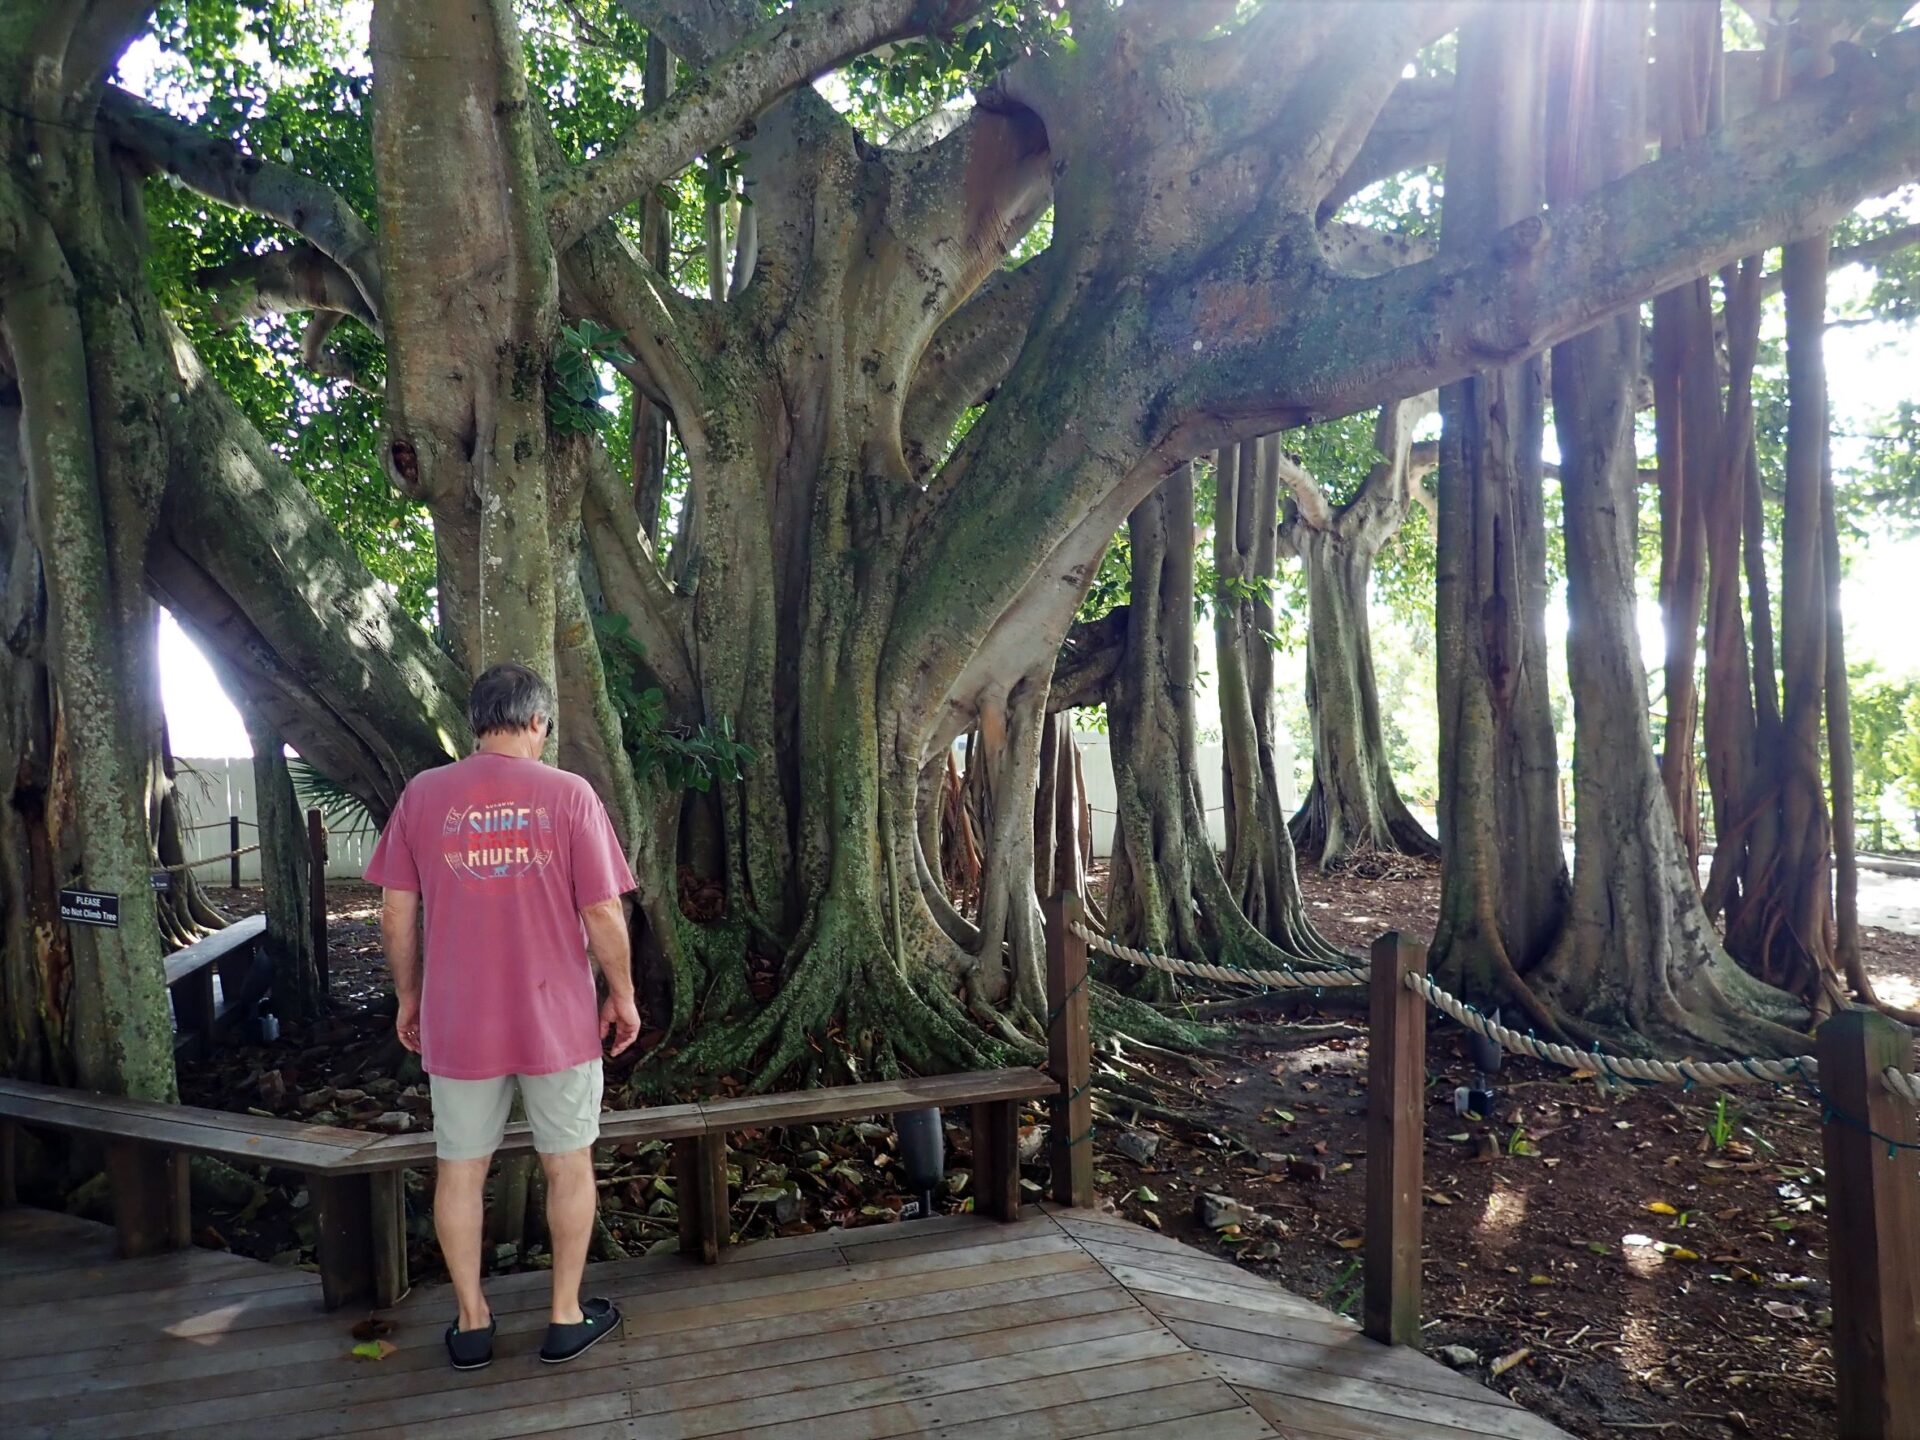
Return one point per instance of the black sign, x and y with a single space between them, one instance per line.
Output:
88 907
161 880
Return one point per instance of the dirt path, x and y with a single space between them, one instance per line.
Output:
1653 1262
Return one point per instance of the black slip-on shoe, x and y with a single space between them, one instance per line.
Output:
599 1319
470 1349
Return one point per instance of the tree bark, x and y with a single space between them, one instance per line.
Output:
89 435
1353 807
1687 417
1638 960
1503 878
295 995
470 309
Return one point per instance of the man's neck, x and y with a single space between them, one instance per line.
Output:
519 747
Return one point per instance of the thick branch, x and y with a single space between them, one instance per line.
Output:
1867 252
219 169
247 560
282 282
1410 132
970 354
1791 169
1088 659
785 53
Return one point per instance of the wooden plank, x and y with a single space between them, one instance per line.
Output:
996 1159
1145 1282
1484 1418
416 1150
844 1102
209 948
827 1404
149 1188
1339 1349
1396 1141
820 1387
1069 1052
108 1288
387 1201
9 1159
248 1139
853 1326
1873 1225
1095 1414
343 1238
1314 1419
1243 1423
700 1185
1023 1405
1356 1356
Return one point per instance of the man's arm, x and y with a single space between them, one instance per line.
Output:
400 932
607 940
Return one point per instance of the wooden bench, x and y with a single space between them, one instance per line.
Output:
147 1147
190 971
356 1180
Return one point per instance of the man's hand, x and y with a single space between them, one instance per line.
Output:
620 1018
406 1024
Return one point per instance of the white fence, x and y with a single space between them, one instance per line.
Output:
211 792
1096 759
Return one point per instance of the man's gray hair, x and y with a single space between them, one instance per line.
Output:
507 698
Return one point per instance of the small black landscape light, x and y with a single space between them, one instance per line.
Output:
923 1158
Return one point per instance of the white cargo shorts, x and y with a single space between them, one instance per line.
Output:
563 1109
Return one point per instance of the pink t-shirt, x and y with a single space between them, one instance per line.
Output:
505 853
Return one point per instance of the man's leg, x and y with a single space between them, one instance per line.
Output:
469 1119
571 1203
459 1213
564 1110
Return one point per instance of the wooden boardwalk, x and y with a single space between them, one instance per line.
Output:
1066 1323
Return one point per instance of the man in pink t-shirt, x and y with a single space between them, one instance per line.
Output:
512 870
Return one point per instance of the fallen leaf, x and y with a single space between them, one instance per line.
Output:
1434 1197
1661 1207
374 1350
1781 1310
1351 1242
1539 1280
1146 1196
1151 1218
1508 1361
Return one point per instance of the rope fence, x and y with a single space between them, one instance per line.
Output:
1717 1073
208 860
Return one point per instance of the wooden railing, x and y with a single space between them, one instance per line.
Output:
1868 1134
355 1180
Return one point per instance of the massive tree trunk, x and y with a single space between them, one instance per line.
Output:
1639 960
83 352
1259 859
1503 877
1686 387
470 310
1354 807
1169 892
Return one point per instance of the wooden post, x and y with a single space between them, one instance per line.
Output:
1396 1126
317 892
996 1159
150 1206
700 1188
1069 1052
194 1008
388 1201
1873 1226
343 1231
233 843
9 1163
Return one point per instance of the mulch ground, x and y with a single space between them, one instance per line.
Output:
1643 1263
